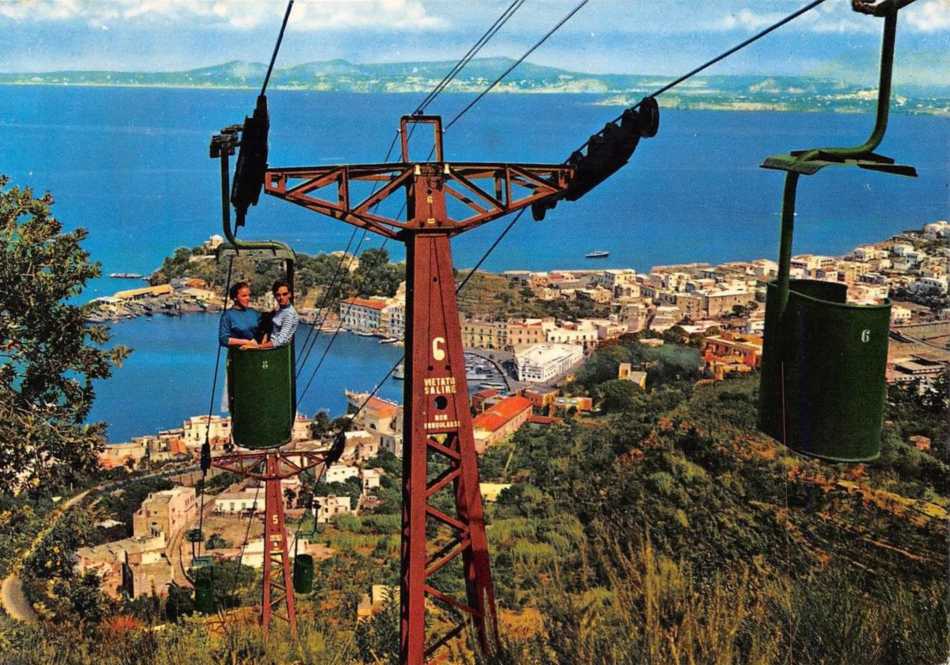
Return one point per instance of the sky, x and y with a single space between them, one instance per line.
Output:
605 36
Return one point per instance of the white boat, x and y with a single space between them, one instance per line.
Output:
597 254
400 372
389 340
362 333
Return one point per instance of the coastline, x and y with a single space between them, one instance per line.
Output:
611 98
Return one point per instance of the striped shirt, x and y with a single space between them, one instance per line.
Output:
285 325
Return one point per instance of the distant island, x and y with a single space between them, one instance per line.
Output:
727 93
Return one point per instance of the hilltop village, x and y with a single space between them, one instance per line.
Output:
523 372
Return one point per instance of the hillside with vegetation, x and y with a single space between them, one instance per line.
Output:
662 529
319 279
737 93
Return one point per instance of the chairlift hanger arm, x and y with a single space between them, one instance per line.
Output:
809 162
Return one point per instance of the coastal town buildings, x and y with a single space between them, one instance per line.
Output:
731 353
134 566
380 418
239 502
542 363
500 421
328 507
362 315
216 428
167 511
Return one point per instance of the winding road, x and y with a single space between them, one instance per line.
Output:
12 599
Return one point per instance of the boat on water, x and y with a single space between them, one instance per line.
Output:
400 372
597 254
363 333
389 340
126 275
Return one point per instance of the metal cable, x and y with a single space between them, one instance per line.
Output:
322 308
458 290
724 55
214 387
472 52
338 273
332 338
531 50
280 38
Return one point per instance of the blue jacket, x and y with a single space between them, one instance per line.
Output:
238 323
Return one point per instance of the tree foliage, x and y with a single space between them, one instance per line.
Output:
50 356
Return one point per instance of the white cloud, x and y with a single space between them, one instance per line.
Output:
930 16
837 17
310 15
746 19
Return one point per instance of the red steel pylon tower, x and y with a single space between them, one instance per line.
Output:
439 447
271 467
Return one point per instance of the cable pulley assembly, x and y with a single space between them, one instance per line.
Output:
607 152
251 161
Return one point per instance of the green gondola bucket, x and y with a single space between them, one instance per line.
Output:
204 595
303 573
261 396
822 389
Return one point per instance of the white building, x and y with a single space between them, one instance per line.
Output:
937 285
327 507
371 478
392 319
362 314
218 430
238 502
936 230
583 333
900 314
541 363
339 473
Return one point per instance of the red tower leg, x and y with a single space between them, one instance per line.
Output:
278 585
438 455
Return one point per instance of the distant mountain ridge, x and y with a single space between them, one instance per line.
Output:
744 92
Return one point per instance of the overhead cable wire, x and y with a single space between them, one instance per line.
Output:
458 290
280 38
531 50
725 54
316 329
472 52
214 387
489 33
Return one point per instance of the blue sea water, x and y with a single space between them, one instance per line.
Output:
168 378
132 167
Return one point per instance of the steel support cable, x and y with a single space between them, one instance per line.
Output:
461 64
472 52
491 86
206 447
458 290
724 55
531 50
339 272
280 38
333 337
247 534
310 338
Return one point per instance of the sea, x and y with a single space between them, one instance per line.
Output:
132 167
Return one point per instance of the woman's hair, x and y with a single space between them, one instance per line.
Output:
237 287
279 283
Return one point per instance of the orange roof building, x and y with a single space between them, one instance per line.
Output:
500 421
362 314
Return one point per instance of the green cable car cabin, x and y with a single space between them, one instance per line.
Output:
822 390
